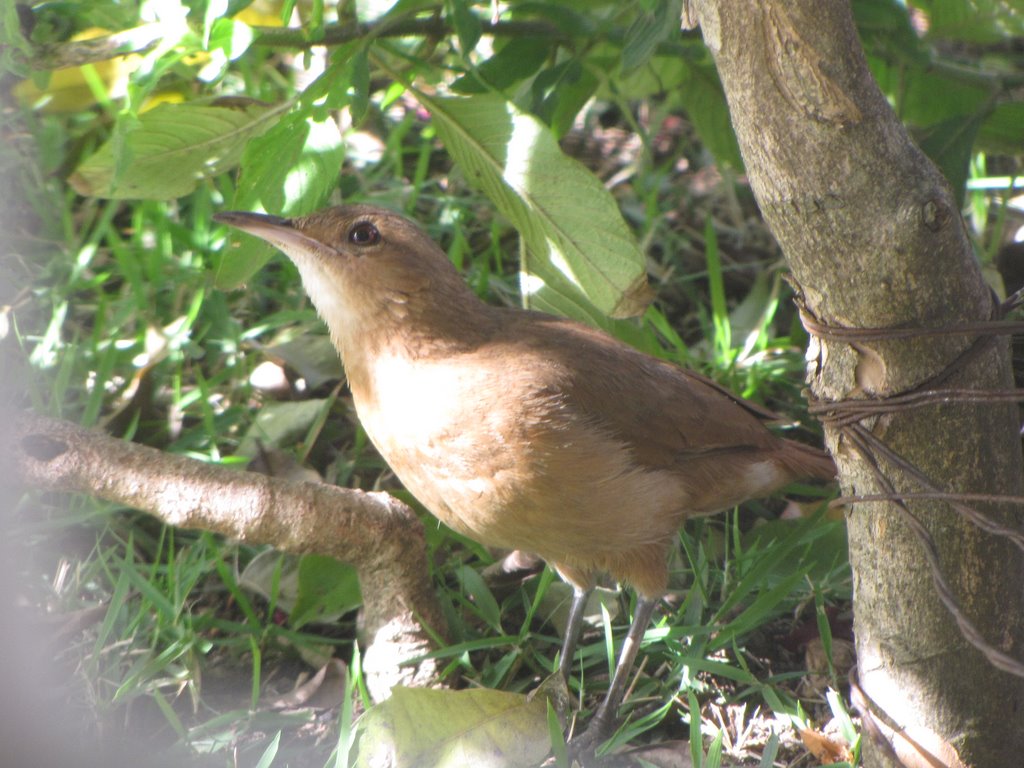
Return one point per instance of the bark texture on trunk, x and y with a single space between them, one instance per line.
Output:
874 239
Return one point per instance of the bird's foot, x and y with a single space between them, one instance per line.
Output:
583 748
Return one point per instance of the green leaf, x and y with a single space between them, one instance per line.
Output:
690 82
333 85
232 37
311 356
704 101
518 60
280 424
1003 131
309 588
327 588
649 29
475 587
467 25
885 29
577 254
445 729
359 77
289 170
170 150
560 92
950 144
928 95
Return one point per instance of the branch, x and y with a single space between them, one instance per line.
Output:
432 26
78 52
140 39
378 535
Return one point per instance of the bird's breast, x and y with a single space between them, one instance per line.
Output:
448 441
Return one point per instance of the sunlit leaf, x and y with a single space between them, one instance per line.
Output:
279 424
578 250
445 729
171 149
287 171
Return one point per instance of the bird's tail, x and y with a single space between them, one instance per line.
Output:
806 462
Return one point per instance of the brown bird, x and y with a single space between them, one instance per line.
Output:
523 430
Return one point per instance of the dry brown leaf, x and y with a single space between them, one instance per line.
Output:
827 751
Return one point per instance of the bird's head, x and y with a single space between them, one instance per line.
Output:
373 275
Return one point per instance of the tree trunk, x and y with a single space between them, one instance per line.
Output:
874 240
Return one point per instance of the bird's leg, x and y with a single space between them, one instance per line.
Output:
604 718
580 597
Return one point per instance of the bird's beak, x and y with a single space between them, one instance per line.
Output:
276 230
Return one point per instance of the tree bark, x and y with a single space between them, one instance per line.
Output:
873 237
377 534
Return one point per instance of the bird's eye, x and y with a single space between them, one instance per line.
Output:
363 233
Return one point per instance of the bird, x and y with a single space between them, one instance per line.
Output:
524 430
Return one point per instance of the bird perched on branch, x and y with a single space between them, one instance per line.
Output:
523 430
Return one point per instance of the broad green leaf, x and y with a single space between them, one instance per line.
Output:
280 424
171 149
232 37
294 166
578 253
309 588
703 99
467 25
560 92
926 96
474 585
289 170
328 589
1003 131
950 144
886 31
649 29
516 61
451 729
311 356
332 87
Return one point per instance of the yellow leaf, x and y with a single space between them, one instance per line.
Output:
69 91
445 729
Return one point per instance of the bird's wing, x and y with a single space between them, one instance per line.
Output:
662 412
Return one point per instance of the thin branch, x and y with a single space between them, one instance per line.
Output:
78 52
432 26
141 39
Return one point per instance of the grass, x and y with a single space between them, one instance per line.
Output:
126 331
